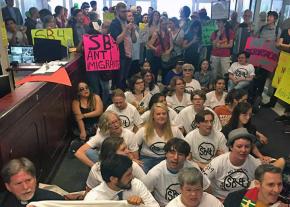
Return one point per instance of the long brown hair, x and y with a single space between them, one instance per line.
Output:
149 125
91 98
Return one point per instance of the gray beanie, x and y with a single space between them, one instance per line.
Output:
239 133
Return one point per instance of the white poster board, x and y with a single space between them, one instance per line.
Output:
220 9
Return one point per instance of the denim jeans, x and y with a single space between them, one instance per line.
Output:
240 85
149 162
220 66
93 155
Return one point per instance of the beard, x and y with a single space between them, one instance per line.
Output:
123 186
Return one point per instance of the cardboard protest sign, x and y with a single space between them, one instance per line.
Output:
283 64
101 53
65 35
108 16
283 90
263 52
220 9
208 28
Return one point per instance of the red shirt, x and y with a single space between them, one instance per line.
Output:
222 52
223 113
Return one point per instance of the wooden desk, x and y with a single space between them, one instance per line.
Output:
35 121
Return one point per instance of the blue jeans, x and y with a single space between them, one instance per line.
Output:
93 155
240 85
149 162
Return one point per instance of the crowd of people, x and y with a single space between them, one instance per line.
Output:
171 127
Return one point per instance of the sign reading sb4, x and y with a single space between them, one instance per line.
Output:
65 35
101 53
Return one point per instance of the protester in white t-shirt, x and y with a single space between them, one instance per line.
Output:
185 119
119 184
110 147
138 96
205 142
158 98
177 99
191 84
110 125
162 178
149 81
128 114
191 183
216 97
241 73
154 135
234 170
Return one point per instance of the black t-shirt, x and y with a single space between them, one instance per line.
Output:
234 199
227 129
40 195
285 36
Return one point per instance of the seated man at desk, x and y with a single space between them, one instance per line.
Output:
19 176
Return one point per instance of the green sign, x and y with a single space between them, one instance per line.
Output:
207 29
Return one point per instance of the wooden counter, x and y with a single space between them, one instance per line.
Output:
35 121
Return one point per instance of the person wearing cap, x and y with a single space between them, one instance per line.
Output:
233 170
177 71
205 141
85 9
162 179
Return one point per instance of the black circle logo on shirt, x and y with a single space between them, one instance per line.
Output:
235 179
125 121
193 125
178 108
158 148
206 151
241 72
172 191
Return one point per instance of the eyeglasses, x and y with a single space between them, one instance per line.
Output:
83 88
187 69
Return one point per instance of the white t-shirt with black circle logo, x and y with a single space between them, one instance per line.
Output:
164 184
204 148
177 105
226 178
129 116
155 147
187 116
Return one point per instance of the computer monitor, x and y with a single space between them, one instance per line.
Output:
21 54
46 50
4 85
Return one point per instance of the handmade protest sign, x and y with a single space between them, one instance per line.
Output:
263 52
65 35
208 28
101 53
283 64
283 90
220 9
108 16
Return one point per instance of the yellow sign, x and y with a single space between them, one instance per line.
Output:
65 35
4 35
142 26
108 16
283 90
283 63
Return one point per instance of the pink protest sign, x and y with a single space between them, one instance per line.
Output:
101 53
263 52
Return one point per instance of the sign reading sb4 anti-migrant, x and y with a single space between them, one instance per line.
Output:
101 53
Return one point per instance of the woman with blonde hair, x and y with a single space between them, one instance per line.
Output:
154 135
177 99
